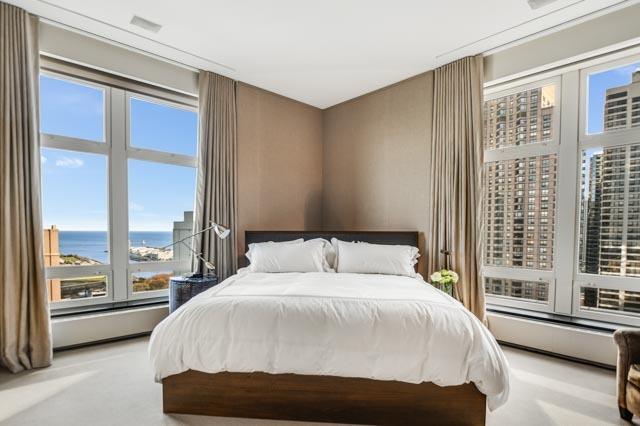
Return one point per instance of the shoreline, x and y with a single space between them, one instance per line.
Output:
136 254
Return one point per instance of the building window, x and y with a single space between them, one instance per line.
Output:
531 291
118 185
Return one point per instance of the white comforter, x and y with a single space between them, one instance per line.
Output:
353 325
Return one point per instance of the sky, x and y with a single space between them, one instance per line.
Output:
75 184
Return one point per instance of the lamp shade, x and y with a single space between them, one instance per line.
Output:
221 231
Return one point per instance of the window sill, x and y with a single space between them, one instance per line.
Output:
108 307
582 341
593 325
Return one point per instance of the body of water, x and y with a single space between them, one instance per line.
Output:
95 244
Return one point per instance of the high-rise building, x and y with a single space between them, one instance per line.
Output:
620 216
633 213
613 212
622 105
520 192
592 205
183 229
584 204
537 291
519 119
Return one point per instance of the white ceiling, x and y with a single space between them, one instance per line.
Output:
319 52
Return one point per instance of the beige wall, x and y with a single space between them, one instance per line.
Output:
376 156
279 163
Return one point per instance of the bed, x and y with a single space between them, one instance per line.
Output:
329 347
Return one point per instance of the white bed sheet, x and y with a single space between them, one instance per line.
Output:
351 325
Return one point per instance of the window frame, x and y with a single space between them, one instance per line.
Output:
146 154
117 149
573 139
69 143
614 138
149 155
526 151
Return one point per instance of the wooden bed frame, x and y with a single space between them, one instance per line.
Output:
323 398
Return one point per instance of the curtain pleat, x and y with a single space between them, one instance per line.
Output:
25 330
217 171
456 178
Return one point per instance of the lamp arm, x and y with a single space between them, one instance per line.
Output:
198 255
190 236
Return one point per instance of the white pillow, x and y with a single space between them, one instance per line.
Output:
307 256
366 258
252 246
329 253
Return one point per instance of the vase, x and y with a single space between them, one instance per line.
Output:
448 288
445 288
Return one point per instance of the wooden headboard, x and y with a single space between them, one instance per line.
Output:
409 238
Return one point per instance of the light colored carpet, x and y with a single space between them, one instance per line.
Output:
111 384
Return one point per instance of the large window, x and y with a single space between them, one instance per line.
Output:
542 250
608 250
521 127
118 184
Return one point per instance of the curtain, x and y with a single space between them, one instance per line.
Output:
455 188
217 171
25 331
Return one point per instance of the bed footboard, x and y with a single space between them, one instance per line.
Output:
322 399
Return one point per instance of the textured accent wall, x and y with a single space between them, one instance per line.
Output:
279 163
376 155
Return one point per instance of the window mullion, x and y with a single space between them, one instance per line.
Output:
119 202
73 144
567 193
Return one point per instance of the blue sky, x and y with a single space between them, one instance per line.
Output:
75 187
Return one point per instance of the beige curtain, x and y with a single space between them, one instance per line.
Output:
217 171
25 334
456 178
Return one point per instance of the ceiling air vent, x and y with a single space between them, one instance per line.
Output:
536 4
145 24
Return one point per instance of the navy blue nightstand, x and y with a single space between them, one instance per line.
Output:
181 289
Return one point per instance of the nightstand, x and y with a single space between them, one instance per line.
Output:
182 289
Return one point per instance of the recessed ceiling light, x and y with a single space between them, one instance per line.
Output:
145 24
535 4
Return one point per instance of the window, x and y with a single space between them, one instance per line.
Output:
152 217
118 186
161 127
542 250
520 187
533 291
72 108
607 280
610 98
143 282
75 206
